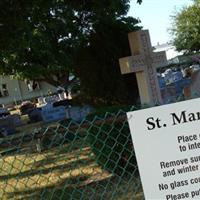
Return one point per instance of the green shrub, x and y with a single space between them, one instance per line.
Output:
56 136
112 145
102 111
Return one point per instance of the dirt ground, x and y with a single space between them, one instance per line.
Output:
68 170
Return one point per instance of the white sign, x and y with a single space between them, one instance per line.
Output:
167 144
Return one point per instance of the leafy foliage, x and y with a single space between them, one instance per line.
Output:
107 143
98 66
41 36
48 40
38 38
186 28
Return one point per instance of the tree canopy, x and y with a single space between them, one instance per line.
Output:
97 65
48 40
186 28
40 38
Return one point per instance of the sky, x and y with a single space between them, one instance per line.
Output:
155 16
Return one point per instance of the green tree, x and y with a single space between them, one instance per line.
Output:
186 28
97 65
38 39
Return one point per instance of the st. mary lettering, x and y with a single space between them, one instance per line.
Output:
153 123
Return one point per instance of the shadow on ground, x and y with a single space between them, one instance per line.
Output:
66 172
76 188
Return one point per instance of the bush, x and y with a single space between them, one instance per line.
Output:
102 111
97 64
53 137
112 145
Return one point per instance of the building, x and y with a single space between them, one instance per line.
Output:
13 90
175 57
169 49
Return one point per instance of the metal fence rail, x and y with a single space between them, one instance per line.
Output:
90 160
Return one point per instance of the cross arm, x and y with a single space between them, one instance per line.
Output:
132 64
159 58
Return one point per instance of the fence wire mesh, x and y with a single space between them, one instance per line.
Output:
90 160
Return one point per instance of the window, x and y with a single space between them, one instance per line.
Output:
5 90
32 85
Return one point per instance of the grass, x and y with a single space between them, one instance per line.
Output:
66 172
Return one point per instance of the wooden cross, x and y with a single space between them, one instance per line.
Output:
143 62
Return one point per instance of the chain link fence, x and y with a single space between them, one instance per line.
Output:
92 160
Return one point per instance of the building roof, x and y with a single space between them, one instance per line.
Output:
168 48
